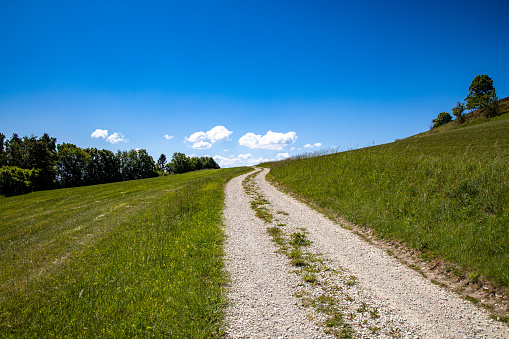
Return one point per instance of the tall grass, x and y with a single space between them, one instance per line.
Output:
132 259
444 193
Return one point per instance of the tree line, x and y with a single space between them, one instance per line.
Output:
481 95
181 163
30 164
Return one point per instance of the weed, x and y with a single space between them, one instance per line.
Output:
471 299
307 301
501 319
474 277
299 239
438 283
363 308
374 329
274 231
309 277
297 257
352 280
336 320
300 293
415 267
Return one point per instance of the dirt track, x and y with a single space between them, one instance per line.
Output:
358 289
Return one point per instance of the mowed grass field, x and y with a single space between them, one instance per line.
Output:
132 259
445 193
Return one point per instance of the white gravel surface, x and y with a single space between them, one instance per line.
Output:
262 301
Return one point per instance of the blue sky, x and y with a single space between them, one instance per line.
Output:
243 81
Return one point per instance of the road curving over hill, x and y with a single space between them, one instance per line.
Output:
347 287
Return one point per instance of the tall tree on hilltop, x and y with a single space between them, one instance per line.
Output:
482 95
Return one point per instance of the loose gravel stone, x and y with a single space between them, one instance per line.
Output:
386 298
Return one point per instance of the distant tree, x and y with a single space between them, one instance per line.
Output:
458 111
145 165
195 164
15 180
482 95
44 155
111 166
2 152
161 163
72 164
442 119
33 153
180 163
124 167
209 163
13 151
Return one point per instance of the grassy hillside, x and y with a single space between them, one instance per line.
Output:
137 258
444 192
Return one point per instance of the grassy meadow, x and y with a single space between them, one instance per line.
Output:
139 258
445 192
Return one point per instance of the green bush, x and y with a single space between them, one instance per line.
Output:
442 119
15 180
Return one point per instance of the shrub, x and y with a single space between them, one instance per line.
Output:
442 119
15 180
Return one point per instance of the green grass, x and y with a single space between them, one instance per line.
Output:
133 259
445 193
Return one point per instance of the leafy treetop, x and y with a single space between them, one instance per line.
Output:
482 95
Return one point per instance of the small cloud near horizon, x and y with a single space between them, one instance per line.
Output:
271 141
318 144
241 160
168 137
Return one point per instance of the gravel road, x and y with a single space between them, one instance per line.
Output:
349 288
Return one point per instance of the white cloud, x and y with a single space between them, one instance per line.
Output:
202 145
168 137
227 162
318 144
281 156
241 160
271 140
197 136
246 156
100 133
116 137
218 133
112 139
